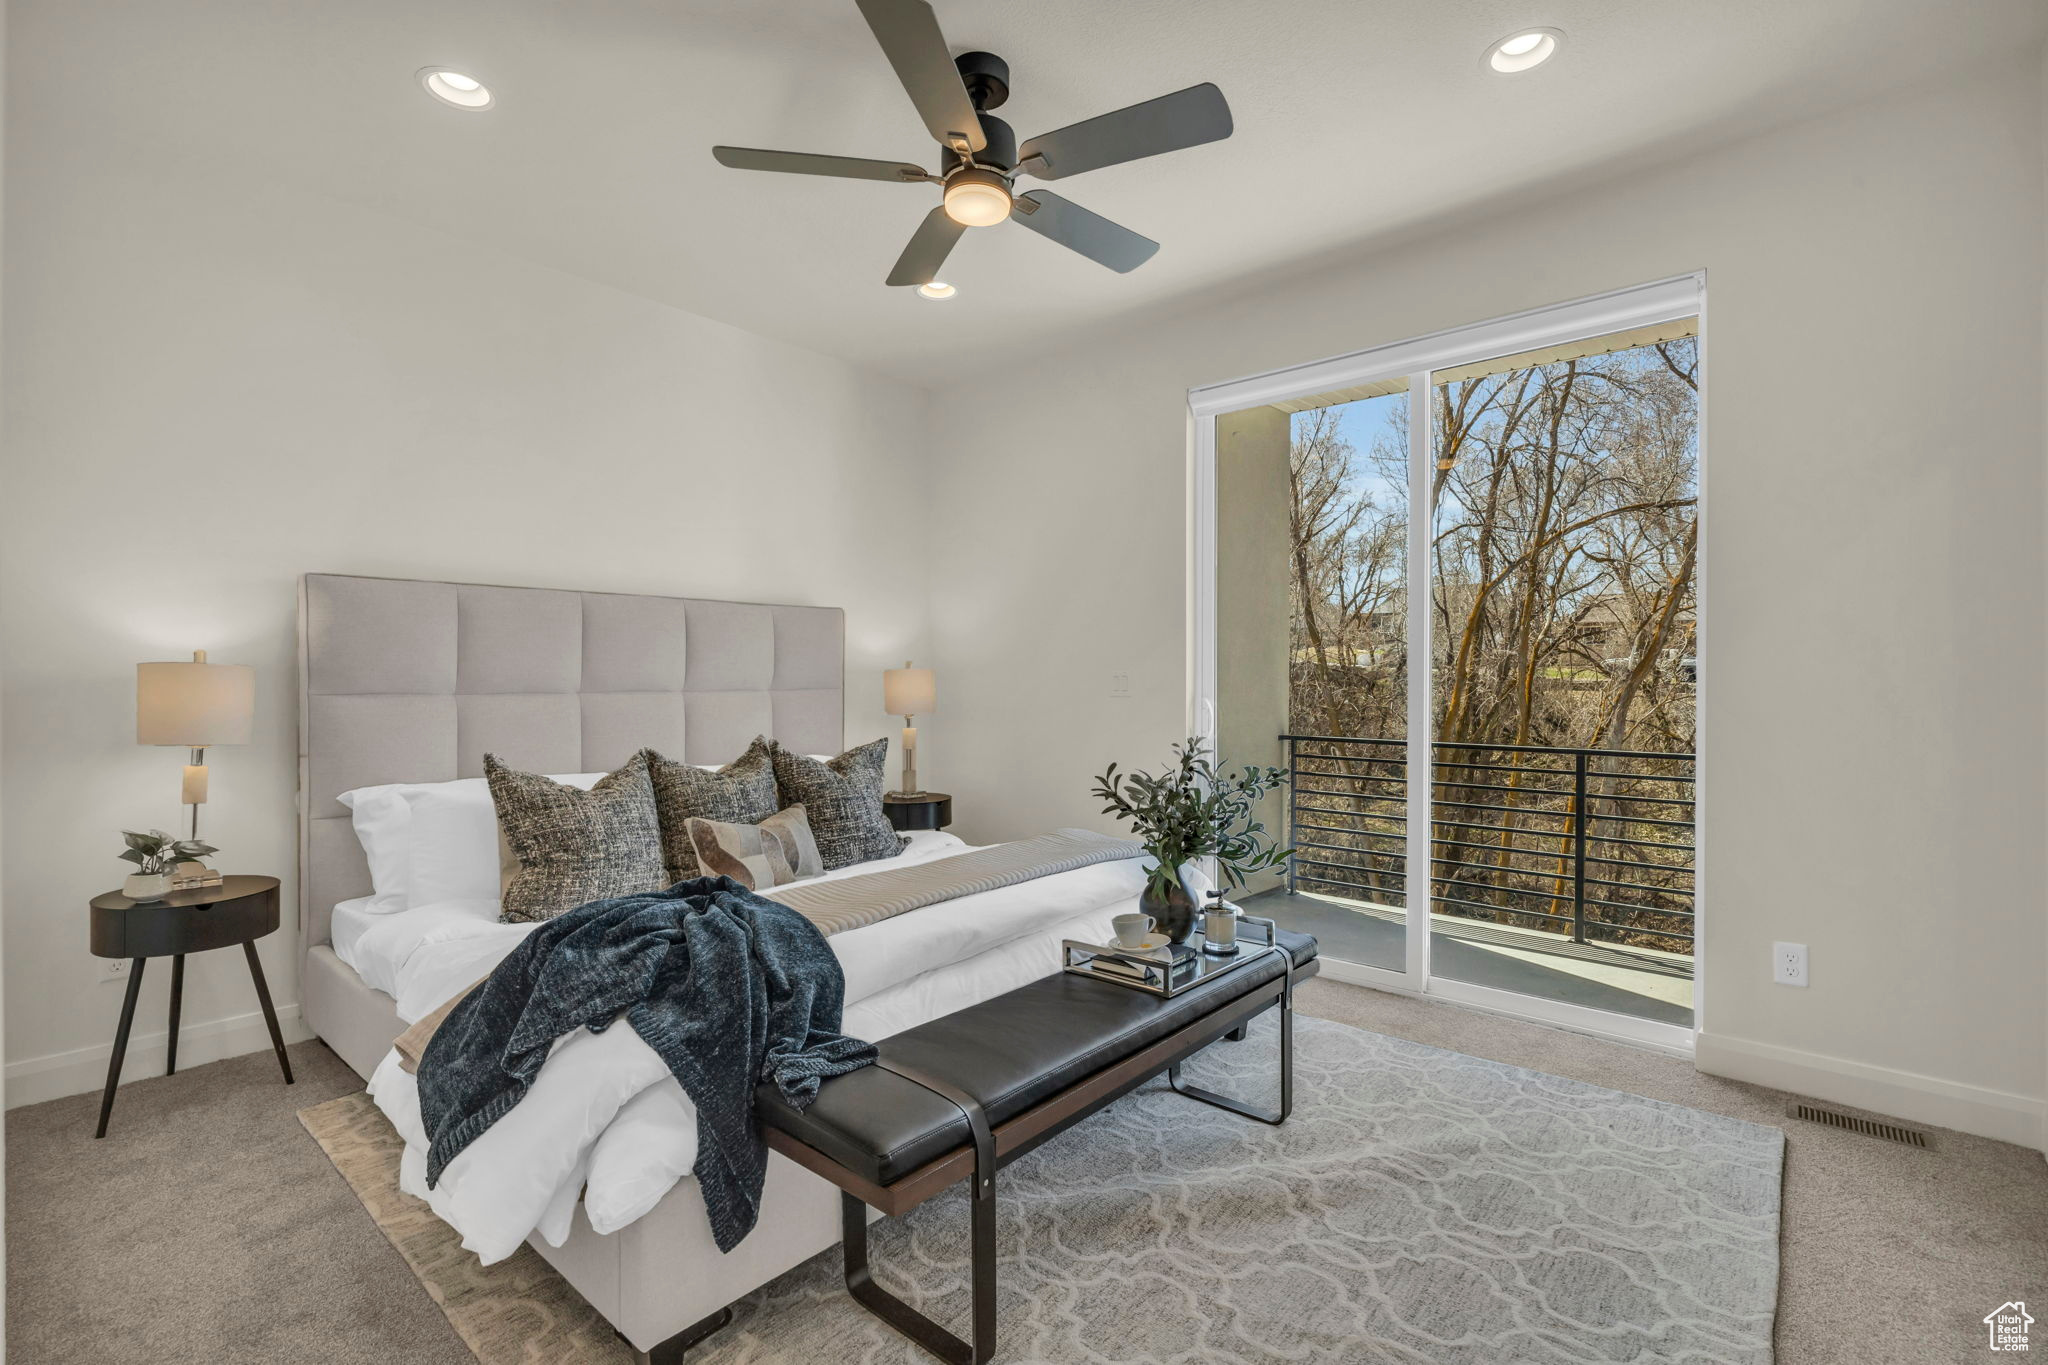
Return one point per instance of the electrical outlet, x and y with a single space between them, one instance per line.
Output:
1788 964
114 968
1119 684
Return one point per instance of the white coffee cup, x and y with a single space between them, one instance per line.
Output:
1132 930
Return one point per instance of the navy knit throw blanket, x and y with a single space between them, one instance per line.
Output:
730 989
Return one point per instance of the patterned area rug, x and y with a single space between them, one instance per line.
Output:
1421 1207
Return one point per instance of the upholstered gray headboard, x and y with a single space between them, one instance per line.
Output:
404 681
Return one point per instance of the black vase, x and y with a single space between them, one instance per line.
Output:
1172 914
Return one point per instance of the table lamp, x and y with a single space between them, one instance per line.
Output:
194 706
909 692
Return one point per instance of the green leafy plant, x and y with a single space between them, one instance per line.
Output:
1194 811
157 851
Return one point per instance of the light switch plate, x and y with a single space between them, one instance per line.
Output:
1119 684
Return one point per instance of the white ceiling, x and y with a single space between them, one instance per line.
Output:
1355 118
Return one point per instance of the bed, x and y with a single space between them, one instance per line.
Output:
407 681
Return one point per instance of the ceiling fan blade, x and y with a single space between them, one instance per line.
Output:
928 249
1186 118
1077 229
909 34
810 163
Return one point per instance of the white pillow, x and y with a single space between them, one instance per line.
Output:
432 841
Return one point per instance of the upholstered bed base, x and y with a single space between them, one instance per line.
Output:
652 1278
351 1016
404 681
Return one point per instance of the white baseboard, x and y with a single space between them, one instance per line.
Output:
84 1069
2001 1114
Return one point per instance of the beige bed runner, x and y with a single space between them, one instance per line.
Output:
855 902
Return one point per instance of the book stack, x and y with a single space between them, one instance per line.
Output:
193 876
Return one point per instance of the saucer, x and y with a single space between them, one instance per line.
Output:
1151 943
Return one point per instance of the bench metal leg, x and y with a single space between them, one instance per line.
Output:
670 1352
853 1236
1272 1116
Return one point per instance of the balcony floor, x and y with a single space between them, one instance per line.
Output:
1635 981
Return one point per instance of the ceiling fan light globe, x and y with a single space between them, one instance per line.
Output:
977 200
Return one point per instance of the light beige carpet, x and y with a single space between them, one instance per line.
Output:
518 1310
1420 1205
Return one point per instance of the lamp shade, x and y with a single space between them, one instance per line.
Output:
195 705
908 691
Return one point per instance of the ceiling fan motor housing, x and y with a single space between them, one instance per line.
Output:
1000 154
986 76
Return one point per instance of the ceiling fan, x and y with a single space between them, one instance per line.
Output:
979 159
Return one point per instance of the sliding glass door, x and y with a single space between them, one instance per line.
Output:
1493 790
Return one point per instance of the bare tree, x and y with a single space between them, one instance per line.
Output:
1565 545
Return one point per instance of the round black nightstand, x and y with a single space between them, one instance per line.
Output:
239 910
922 810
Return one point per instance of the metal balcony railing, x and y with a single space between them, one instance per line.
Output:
1594 842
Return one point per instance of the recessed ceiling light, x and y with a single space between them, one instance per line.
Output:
455 88
1521 51
937 289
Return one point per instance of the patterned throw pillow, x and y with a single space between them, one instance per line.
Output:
740 793
776 851
843 798
576 846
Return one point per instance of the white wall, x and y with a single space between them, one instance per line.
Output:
1874 728
216 385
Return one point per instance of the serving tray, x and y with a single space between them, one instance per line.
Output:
1168 971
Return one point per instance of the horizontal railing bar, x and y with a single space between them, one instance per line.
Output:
1340 739
1563 815
1502 884
1399 784
1353 796
1642 886
1499 909
1641 820
1640 843
1356 867
1490 747
1358 815
1499 787
1346 848
1640 909
1502 848
1494 767
1334 775
1633 862
1644 800
1502 829
1352 829
1392 760
1339 881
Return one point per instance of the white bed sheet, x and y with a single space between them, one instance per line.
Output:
378 945
607 1120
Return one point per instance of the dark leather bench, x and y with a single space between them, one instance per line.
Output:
959 1097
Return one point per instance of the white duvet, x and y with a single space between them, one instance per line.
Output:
606 1120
